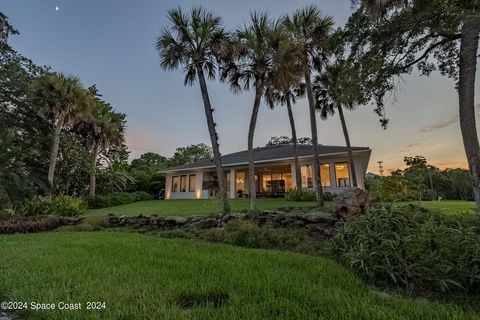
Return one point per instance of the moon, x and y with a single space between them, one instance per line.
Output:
57 8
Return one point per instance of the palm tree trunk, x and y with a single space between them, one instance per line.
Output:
54 151
466 94
251 153
298 177
313 126
349 146
93 173
214 139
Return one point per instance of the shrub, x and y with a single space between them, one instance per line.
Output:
31 224
60 205
117 198
413 248
300 194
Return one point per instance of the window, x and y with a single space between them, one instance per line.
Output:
325 174
240 182
183 183
191 183
175 184
342 174
306 173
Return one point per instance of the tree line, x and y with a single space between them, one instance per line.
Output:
301 54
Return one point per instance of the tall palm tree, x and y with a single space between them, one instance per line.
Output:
339 86
310 30
253 66
62 101
468 16
284 89
195 41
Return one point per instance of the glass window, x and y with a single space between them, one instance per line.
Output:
267 183
240 182
306 172
175 184
288 181
191 183
342 174
325 174
183 183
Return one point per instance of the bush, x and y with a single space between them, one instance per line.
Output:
412 248
300 194
60 205
31 224
117 198
247 234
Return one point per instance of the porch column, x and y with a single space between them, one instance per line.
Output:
198 185
232 183
333 178
168 186
294 175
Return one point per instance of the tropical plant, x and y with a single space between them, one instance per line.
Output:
309 31
284 89
339 86
255 49
62 101
195 41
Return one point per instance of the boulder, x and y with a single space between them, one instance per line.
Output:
316 217
351 203
176 220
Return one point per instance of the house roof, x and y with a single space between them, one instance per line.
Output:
269 153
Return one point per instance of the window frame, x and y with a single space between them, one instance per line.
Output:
194 176
348 172
184 178
175 189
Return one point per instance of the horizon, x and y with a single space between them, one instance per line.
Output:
163 114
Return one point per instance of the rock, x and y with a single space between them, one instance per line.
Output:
351 203
176 220
72 220
318 217
204 223
299 223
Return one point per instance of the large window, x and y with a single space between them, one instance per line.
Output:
276 183
191 183
325 174
183 183
306 173
342 174
175 184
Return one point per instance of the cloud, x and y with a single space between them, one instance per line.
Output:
445 121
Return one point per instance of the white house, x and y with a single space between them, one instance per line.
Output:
274 172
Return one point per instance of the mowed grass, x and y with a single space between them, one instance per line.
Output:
194 207
450 207
146 277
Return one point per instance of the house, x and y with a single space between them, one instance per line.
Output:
274 172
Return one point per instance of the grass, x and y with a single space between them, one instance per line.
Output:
145 277
194 207
450 207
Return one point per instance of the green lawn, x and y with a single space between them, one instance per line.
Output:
146 277
450 207
193 207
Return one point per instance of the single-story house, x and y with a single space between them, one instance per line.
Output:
274 172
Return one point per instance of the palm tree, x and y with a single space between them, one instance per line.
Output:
469 33
62 101
284 89
252 67
339 86
310 29
195 41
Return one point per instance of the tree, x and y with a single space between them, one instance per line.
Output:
310 30
62 101
409 33
252 67
284 88
339 86
191 154
195 42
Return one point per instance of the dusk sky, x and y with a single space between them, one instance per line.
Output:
111 43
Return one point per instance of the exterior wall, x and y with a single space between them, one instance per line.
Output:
360 164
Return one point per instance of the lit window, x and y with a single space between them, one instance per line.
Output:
183 183
325 174
240 182
306 173
191 183
342 174
175 184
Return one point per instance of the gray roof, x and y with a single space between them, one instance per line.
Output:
269 153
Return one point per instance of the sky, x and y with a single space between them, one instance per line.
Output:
111 43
